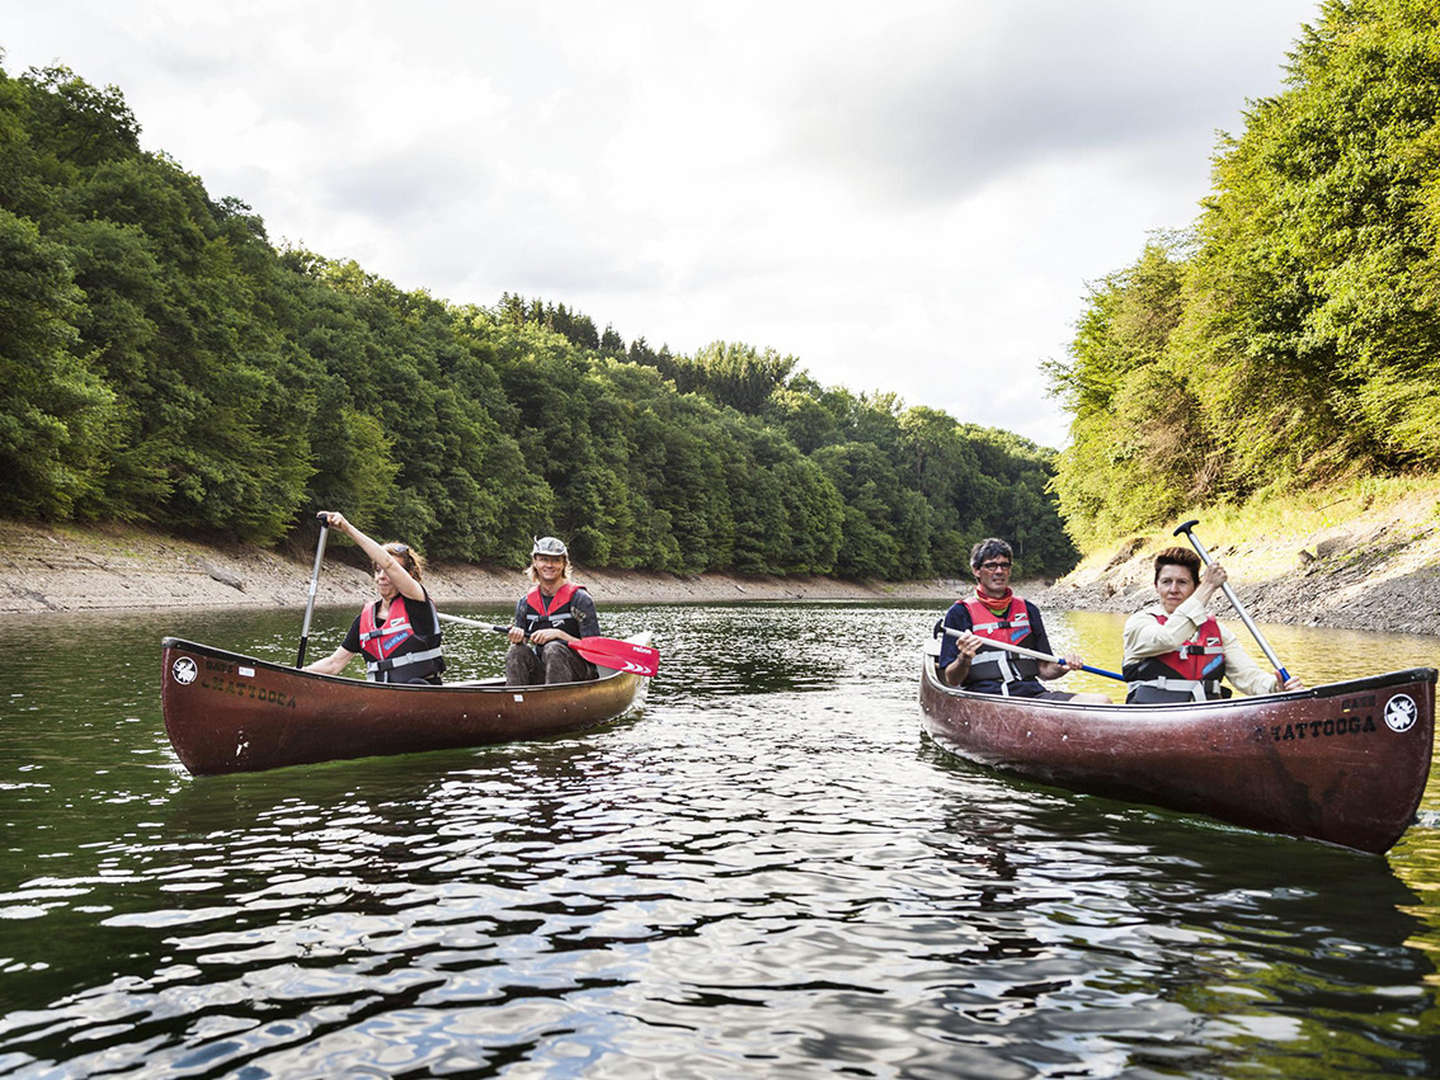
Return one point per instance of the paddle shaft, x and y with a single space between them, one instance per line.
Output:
1189 530
496 627
314 583
1037 655
606 652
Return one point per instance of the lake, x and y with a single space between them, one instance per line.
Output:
766 871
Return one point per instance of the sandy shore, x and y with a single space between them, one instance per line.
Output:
1380 571
115 568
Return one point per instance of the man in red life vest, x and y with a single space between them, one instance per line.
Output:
555 611
995 613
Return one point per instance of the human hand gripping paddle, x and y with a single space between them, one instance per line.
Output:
1036 655
1189 530
603 651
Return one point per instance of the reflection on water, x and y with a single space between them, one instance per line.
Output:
767 871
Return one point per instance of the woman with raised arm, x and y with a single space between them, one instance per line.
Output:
399 634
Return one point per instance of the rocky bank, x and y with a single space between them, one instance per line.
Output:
56 568
1379 571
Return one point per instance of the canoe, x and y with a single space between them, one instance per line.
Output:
1344 763
226 712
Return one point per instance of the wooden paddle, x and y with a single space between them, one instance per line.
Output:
1189 530
1036 655
603 651
314 582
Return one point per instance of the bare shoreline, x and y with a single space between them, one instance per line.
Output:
68 569
1379 574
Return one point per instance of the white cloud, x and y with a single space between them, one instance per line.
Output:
908 196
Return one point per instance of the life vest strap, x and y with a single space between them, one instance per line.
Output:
1198 689
374 667
1009 668
386 629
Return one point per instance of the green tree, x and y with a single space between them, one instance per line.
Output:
55 413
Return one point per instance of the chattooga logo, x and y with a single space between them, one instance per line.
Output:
1401 713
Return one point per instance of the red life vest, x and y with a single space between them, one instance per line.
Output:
1191 672
997 665
558 613
1012 626
394 648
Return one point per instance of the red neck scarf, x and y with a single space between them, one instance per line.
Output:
997 604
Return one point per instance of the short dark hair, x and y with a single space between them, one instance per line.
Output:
988 549
1178 556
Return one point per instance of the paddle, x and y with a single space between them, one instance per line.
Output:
1188 529
314 582
604 651
1036 655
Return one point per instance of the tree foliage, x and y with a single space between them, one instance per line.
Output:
162 362
1294 335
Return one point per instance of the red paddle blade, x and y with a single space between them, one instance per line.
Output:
617 654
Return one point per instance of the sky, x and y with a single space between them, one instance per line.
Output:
905 196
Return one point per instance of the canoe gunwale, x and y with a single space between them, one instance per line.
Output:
486 685
1322 692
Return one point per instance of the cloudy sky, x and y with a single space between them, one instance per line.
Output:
906 196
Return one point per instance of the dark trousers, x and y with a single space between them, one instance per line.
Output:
556 662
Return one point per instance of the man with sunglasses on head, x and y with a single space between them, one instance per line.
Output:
555 611
995 613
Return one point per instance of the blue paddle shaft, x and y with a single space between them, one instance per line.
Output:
1038 655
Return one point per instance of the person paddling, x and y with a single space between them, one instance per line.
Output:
554 611
995 613
399 634
1176 651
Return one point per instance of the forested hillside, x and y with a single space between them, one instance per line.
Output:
1292 337
162 362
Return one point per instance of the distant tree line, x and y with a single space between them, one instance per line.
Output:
1292 336
161 362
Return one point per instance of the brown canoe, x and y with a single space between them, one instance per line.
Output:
225 712
1345 763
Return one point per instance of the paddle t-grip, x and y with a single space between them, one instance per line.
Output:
1188 531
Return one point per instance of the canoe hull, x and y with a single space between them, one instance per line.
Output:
225 712
1345 763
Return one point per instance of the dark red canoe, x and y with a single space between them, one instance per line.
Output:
225 712
1345 763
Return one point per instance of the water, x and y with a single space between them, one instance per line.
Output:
768 871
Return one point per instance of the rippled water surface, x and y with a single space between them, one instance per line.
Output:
766 871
